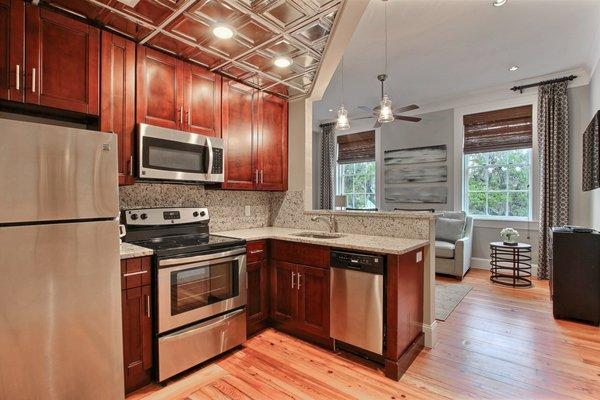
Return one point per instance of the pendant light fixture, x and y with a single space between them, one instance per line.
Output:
385 106
342 122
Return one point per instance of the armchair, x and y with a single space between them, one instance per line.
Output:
453 244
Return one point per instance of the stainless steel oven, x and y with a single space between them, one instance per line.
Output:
191 289
168 154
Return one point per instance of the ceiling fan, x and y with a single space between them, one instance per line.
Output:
376 110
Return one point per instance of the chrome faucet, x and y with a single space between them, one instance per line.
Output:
331 222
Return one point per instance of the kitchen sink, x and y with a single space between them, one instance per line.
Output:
319 235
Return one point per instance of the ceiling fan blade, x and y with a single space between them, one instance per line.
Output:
377 124
365 108
406 108
357 118
403 118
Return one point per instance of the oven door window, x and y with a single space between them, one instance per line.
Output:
195 288
169 155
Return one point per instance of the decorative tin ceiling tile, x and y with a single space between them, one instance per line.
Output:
264 30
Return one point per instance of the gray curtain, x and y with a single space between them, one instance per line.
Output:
327 167
553 140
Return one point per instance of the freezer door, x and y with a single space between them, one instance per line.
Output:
50 173
60 312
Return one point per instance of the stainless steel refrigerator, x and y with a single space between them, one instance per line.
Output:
60 296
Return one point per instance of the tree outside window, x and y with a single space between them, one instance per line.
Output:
358 182
498 183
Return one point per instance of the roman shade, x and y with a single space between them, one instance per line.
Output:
356 147
506 129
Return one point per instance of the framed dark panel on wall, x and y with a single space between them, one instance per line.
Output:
591 155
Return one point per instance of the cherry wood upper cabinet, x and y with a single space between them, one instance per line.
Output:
11 50
117 98
255 134
239 111
61 61
273 143
159 89
202 101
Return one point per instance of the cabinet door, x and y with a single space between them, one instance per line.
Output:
137 337
257 310
117 98
159 89
239 109
202 101
313 300
273 143
284 295
62 61
11 50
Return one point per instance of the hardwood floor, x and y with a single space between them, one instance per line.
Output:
499 343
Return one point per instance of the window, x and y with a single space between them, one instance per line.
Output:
498 184
357 182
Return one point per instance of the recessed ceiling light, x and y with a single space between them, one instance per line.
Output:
331 110
513 68
499 3
282 62
223 31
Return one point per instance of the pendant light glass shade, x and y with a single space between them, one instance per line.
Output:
342 122
385 112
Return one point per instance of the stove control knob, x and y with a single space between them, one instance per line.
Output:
144 216
202 213
195 214
133 217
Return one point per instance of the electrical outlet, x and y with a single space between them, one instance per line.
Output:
419 256
247 211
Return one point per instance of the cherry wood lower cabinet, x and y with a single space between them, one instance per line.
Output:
257 309
136 298
117 100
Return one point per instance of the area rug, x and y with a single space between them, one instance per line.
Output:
447 297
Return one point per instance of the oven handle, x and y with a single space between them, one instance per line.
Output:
202 326
203 257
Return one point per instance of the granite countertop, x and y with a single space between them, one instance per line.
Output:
129 250
376 244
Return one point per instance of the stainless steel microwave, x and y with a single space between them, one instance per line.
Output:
171 155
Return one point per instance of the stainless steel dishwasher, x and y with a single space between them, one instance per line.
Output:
356 299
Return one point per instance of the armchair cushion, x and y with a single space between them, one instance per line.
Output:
444 249
449 229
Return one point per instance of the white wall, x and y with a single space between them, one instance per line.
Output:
435 128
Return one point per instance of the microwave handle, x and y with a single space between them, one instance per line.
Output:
210 155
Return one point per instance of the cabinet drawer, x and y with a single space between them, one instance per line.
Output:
135 272
256 251
300 253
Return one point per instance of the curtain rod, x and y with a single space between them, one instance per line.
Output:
523 87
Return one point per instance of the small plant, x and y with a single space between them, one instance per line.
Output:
509 235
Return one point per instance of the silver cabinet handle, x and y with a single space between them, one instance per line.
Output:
299 276
33 80
262 176
135 273
148 306
181 116
256 178
18 85
130 165
293 275
255 251
189 117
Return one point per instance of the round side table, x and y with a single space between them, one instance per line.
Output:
511 265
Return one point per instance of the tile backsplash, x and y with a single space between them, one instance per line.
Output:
226 207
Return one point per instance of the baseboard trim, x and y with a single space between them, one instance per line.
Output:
394 369
484 263
430 332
